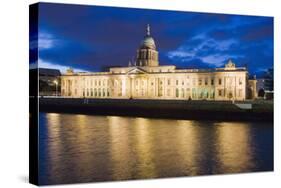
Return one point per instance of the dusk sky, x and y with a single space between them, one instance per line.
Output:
91 38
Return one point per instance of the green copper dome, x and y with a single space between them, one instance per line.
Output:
148 41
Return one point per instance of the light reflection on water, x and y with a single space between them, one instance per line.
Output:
84 148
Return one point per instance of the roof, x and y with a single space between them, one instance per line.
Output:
49 72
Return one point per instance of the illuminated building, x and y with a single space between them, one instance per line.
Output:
146 79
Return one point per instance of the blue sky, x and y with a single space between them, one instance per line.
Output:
91 38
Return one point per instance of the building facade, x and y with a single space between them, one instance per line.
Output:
146 79
49 82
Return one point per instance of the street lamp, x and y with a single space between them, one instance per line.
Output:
56 83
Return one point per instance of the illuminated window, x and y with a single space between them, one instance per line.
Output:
201 94
193 93
212 94
160 92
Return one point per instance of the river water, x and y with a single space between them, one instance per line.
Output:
85 148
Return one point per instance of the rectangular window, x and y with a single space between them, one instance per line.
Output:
193 93
200 81
177 82
177 92
206 81
220 81
220 92
169 81
212 81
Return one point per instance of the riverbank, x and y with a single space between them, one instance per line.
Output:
171 109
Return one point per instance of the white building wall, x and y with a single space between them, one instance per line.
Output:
224 85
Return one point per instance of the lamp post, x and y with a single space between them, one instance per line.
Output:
56 83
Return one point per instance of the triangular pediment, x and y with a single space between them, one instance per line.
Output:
136 70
